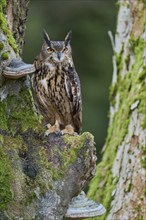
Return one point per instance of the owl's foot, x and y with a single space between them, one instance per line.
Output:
68 130
52 129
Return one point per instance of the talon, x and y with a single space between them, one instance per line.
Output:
46 133
68 130
52 129
59 133
62 132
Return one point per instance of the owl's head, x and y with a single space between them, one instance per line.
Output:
56 51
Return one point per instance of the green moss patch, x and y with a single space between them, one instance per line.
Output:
5 56
1 45
3 3
65 156
143 162
5 28
3 117
17 113
16 188
69 155
6 194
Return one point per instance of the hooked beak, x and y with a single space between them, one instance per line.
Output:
59 55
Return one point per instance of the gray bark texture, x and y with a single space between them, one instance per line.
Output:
120 179
38 175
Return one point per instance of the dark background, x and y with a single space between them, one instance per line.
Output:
92 51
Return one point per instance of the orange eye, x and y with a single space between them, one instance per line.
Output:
50 50
65 49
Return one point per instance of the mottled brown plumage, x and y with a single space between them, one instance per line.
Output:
56 87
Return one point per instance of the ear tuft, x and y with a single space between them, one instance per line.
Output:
68 38
46 38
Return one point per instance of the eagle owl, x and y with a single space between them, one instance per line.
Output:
56 87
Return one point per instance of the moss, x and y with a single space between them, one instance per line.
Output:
17 117
16 187
50 171
129 187
129 160
142 74
138 211
47 168
5 28
130 89
139 218
3 124
143 162
14 143
113 92
127 61
17 113
142 105
144 150
1 139
133 41
119 60
77 141
3 3
6 194
5 56
1 45
67 155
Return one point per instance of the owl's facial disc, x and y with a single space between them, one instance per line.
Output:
58 55
58 51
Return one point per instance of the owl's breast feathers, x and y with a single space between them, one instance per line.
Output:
58 93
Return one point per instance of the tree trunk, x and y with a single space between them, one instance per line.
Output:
38 175
120 179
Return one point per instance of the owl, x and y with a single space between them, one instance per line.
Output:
56 87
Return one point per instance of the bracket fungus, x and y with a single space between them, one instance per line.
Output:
82 207
17 69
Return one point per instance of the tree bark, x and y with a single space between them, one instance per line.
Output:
38 175
120 179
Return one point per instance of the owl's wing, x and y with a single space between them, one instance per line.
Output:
73 90
40 91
